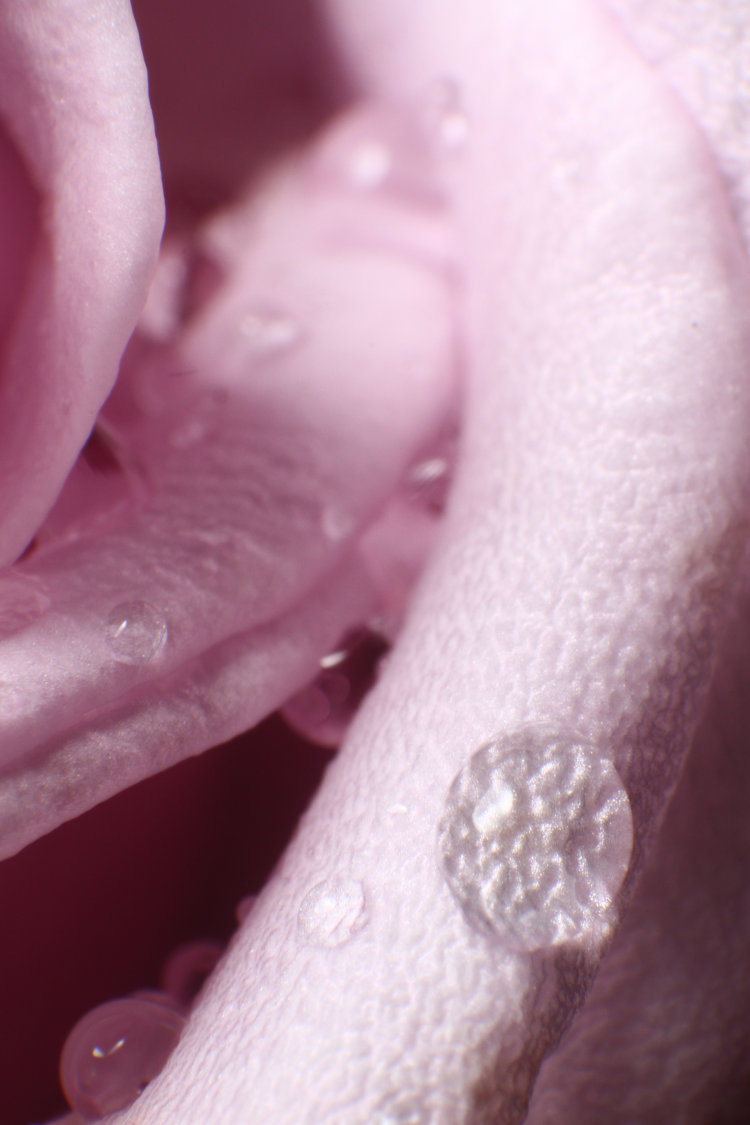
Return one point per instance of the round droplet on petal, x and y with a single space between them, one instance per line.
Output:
244 908
400 1109
267 331
535 839
332 913
447 111
112 1054
322 711
187 968
136 632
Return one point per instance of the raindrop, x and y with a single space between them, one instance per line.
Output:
337 524
187 968
114 1051
428 483
400 1109
267 331
136 632
332 913
323 710
451 122
535 839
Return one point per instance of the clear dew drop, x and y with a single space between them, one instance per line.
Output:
187 969
136 632
332 912
323 710
535 839
268 331
114 1051
400 1109
450 120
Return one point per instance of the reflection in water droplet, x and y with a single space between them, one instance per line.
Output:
267 331
323 710
449 114
187 968
535 839
400 1109
332 913
244 908
112 1054
136 632
428 483
23 599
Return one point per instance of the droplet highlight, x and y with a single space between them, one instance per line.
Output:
323 710
447 110
188 968
332 913
136 632
535 839
112 1054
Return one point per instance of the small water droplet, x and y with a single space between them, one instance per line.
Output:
451 122
332 913
267 331
428 483
398 809
187 968
189 433
245 907
370 164
535 839
337 524
400 1109
136 632
323 710
114 1051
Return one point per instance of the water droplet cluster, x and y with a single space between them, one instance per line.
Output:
535 839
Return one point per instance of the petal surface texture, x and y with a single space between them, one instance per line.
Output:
592 547
74 102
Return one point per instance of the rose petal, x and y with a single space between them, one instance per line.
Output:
74 100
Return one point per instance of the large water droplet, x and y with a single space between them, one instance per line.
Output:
112 1054
332 913
136 632
187 968
322 711
535 839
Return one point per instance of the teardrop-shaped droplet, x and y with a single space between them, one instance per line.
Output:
136 632
112 1054
332 912
187 968
535 839
323 710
